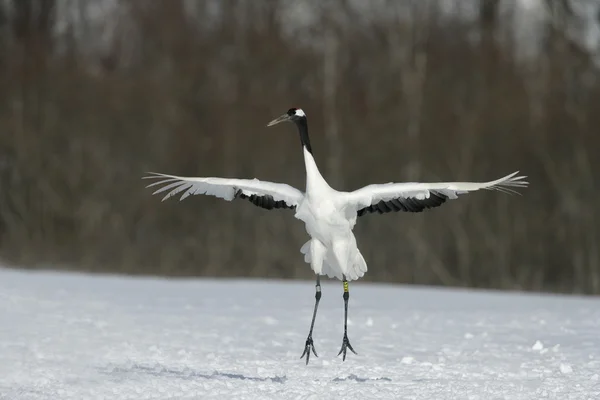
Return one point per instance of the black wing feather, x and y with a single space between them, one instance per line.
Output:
266 201
409 204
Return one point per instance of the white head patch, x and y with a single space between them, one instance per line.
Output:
300 113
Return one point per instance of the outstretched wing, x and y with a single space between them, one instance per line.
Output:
267 195
415 197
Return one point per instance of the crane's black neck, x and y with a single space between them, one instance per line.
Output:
302 125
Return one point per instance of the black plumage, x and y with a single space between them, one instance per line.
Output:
409 204
266 201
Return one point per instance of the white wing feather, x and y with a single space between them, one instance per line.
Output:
372 194
223 188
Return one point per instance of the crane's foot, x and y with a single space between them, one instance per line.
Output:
345 345
308 347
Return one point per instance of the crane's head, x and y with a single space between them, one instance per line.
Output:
292 115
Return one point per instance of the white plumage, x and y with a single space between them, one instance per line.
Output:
224 188
329 215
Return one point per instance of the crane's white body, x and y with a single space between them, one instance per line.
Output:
329 220
329 215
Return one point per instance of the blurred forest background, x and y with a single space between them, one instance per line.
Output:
94 93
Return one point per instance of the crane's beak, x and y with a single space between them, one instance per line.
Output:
277 120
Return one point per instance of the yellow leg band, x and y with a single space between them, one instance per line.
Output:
345 286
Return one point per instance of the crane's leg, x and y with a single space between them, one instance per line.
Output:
345 341
309 341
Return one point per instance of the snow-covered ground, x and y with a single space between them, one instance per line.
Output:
71 336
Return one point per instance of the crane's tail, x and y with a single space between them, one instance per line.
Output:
314 250
358 267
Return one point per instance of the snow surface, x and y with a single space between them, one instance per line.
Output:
72 336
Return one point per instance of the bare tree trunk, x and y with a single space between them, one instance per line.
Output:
32 26
330 82
413 68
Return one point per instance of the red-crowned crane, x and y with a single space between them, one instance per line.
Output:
329 215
